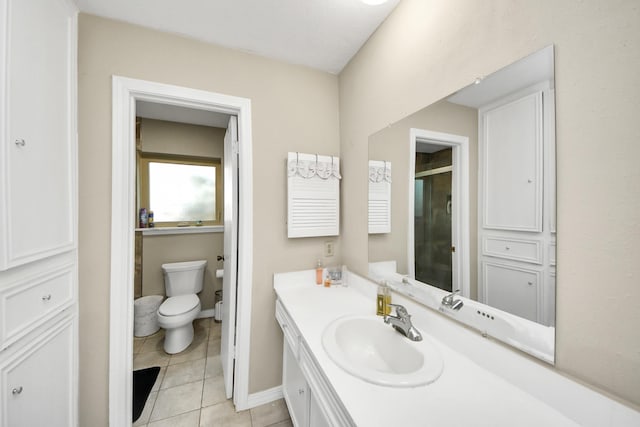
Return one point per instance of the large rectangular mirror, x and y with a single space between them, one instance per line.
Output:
462 197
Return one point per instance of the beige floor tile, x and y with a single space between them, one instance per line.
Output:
146 412
204 323
189 419
156 385
270 413
216 330
201 327
183 373
137 345
152 358
193 352
224 415
177 400
214 367
213 392
213 348
285 423
154 343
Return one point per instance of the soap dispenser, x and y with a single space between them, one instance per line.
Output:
319 272
383 300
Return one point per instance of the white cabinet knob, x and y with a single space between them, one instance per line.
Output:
17 390
300 391
20 142
46 297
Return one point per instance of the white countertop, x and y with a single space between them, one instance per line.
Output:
464 395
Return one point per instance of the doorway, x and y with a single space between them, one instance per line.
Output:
438 223
126 93
432 218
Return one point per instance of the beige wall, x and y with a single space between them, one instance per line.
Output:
160 136
428 49
293 109
392 144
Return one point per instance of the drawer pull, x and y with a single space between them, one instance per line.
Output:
300 391
17 390
46 297
20 142
530 283
507 248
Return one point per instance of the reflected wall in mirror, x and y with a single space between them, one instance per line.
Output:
473 192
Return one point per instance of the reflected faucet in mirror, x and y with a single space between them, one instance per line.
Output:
476 211
451 302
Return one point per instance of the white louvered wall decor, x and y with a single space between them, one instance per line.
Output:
379 197
313 195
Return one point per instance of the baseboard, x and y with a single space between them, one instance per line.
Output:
210 312
265 396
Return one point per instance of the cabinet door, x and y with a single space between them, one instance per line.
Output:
37 384
295 389
37 118
511 151
316 417
512 289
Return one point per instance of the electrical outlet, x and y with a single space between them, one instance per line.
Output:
328 248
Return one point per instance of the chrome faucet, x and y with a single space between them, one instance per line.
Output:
451 302
402 323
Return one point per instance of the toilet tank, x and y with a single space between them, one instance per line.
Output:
183 278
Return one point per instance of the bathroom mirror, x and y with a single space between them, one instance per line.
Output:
465 189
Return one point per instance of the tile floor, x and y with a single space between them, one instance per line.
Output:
189 391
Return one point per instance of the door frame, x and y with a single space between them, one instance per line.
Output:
125 93
459 197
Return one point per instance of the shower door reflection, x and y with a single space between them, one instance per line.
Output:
433 219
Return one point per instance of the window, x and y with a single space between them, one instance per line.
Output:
181 190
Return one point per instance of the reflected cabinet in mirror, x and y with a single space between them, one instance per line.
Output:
462 197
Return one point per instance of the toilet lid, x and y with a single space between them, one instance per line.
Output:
174 306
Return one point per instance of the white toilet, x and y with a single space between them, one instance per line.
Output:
182 282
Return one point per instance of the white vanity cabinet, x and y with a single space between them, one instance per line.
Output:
309 397
38 213
516 203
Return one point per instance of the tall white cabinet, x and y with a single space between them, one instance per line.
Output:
38 213
516 200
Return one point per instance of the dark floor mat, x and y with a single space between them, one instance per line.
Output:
143 381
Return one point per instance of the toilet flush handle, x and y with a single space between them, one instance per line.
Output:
220 257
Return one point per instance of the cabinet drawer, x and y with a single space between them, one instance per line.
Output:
515 249
289 329
31 303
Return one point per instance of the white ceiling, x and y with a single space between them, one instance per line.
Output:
172 113
322 34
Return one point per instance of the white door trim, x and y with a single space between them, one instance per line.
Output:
459 197
125 93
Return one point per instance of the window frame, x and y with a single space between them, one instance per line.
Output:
143 175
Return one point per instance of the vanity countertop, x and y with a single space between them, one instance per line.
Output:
464 395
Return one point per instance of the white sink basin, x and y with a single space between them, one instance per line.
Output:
366 347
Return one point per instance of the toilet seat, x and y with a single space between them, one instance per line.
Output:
179 305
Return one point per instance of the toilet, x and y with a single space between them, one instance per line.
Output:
182 282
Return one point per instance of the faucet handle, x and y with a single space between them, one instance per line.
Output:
448 299
401 311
